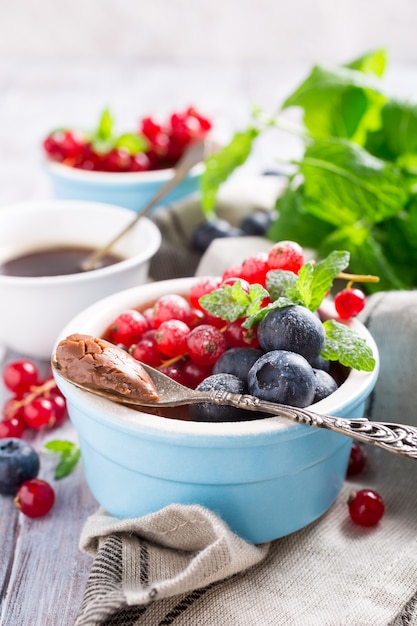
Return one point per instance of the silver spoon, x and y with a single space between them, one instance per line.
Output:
193 155
399 439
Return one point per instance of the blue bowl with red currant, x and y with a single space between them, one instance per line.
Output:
125 169
279 338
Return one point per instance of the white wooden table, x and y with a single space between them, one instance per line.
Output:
42 571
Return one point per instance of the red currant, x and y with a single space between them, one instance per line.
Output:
205 344
140 163
171 337
357 460
12 427
35 497
195 373
59 408
146 349
238 337
349 303
201 289
39 413
172 306
128 327
175 371
286 255
234 271
19 376
117 160
255 268
366 507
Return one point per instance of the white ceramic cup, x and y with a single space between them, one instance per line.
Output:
34 309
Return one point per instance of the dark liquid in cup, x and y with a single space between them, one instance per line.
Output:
57 261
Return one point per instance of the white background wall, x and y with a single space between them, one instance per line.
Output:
215 30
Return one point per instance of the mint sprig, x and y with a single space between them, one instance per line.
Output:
354 186
232 302
284 288
343 345
69 456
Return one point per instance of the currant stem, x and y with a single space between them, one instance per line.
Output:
358 278
36 391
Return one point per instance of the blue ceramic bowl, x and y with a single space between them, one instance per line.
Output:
266 478
129 189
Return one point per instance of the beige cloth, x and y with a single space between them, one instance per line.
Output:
183 566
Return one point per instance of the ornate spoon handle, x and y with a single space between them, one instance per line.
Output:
399 439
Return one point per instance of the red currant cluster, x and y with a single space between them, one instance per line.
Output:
161 145
35 403
182 339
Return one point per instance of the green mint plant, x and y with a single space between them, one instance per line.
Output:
308 288
355 187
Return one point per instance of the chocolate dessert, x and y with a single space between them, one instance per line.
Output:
101 365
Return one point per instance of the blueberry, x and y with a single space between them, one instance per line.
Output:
292 328
320 363
18 462
237 361
283 377
257 222
209 412
205 233
325 384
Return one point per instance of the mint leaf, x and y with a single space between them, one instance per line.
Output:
132 142
232 302
350 184
104 129
295 221
340 102
314 281
69 456
257 316
367 255
280 282
371 63
344 345
219 166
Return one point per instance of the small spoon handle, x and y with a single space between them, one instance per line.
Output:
399 439
191 157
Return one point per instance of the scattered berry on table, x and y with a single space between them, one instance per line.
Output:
20 375
204 234
357 459
18 462
366 507
257 222
35 498
35 403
